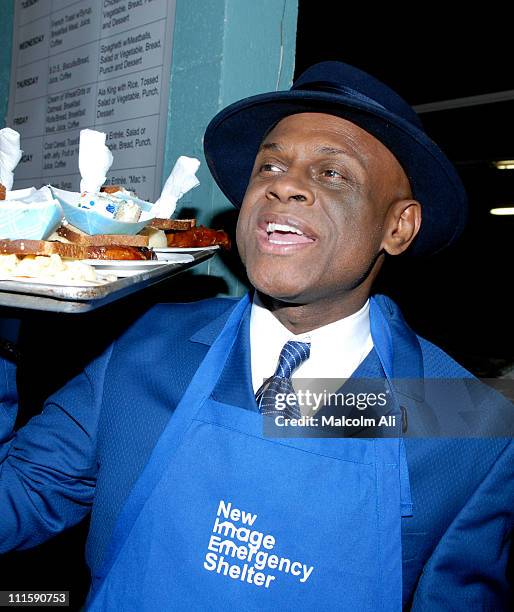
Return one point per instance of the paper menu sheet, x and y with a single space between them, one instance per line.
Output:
101 64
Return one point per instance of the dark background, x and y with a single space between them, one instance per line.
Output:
460 299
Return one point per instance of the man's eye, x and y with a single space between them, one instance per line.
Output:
270 168
331 173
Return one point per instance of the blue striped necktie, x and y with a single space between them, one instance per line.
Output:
291 357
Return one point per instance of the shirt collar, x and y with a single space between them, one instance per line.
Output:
336 348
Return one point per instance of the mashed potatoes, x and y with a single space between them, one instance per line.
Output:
52 268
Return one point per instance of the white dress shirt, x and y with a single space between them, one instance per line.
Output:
336 349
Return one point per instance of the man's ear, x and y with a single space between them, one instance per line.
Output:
402 225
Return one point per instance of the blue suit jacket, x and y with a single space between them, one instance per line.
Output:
87 448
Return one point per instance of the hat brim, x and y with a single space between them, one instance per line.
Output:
233 137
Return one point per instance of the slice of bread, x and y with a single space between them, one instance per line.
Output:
2 192
172 224
74 251
42 247
76 236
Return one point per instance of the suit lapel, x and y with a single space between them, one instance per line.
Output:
209 332
235 383
234 386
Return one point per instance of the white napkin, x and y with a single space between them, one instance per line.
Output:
181 180
10 155
95 159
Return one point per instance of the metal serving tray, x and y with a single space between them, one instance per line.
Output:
60 298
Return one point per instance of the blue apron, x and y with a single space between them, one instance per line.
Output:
224 518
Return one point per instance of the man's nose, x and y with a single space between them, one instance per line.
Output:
289 188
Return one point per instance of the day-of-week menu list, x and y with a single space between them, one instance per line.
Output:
100 64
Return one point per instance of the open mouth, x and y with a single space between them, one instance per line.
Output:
279 234
282 234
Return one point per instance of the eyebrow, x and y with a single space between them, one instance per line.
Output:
324 150
352 153
271 146
331 151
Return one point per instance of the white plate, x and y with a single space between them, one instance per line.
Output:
139 264
122 268
185 249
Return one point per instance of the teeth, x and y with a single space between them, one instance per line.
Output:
279 227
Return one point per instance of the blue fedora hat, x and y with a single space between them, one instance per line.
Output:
233 137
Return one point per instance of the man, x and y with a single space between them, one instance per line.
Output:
192 506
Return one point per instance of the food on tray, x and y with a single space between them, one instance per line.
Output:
156 238
73 234
127 211
112 188
100 209
126 208
120 206
155 230
91 220
75 251
101 222
172 224
184 233
50 268
198 237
